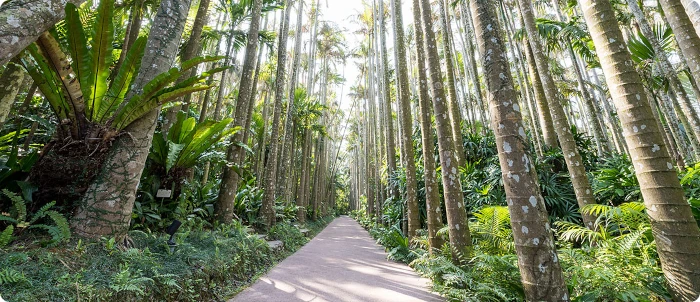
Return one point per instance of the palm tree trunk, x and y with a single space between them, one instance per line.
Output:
267 212
548 134
689 111
229 181
406 120
453 103
107 205
574 162
676 231
432 191
10 83
388 119
460 238
288 129
686 36
540 270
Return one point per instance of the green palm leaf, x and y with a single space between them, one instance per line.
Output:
136 108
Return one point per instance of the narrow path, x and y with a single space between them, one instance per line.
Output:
342 263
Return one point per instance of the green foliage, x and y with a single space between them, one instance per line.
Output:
207 265
614 182
10 276
187 142
618 261
59 231
291 236
491 230
105 108
484 278
396 243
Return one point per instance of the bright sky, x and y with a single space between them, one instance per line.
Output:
342 12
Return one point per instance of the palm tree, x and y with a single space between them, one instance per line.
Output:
674 228
460 238
267 212
686 36
574 162
229 181
388 119
107 205
693 9
404 97
540 270
675 84
432 193
453 103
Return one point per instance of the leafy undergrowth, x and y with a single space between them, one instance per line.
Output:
616 263
207 265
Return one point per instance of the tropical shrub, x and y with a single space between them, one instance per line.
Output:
186 142
92 102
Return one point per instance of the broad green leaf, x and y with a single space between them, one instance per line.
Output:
77 45
136 108
101 55
173 154
122 81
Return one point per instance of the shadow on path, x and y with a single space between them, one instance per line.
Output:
342 263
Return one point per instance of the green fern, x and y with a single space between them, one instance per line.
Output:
6 236
18 205
10 276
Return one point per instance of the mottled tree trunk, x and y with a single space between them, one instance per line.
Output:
548 134
267 212
287 150
10 83
192 49
106 207
686 36
22 21
674 228
574 162
432 191
460 238
229 181
540 270
453 103
406 120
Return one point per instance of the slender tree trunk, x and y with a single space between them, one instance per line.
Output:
406 120
192 49
267 211
664 64
288 129
229 181
10 83
540 270
574 162
453 103
548 134
432 191
674 228
460 238
686 36
106 207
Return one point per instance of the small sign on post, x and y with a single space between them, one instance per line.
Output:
164 193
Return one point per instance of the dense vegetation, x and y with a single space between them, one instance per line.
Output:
508 150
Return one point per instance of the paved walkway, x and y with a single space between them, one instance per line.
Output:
342 263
